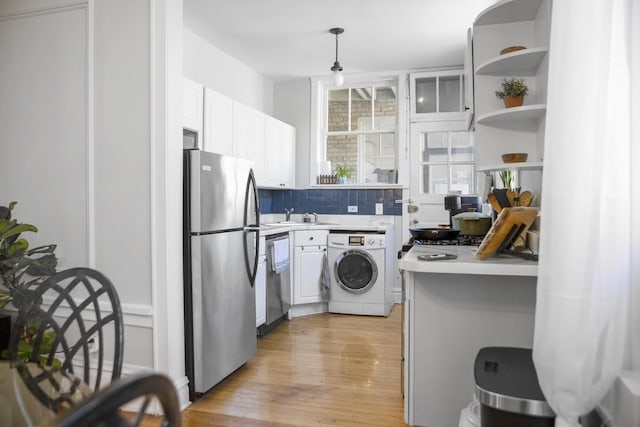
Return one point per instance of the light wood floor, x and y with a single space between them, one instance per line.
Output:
324 369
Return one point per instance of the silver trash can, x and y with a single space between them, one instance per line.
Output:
508 390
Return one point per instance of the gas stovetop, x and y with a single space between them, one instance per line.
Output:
460 241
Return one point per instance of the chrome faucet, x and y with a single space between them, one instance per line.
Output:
288 213
315 217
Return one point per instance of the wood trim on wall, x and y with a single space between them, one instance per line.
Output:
7 13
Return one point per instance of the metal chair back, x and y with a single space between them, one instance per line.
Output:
70 331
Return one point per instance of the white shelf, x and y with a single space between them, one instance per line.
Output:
515 116
522 63
509 11
511 166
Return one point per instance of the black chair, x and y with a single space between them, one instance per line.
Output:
103 409
74 323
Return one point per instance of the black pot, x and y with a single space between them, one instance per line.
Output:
420 233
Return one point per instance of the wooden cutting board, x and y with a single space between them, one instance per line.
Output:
510 224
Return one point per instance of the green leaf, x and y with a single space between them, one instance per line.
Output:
43 266
22 296
18 248
16 229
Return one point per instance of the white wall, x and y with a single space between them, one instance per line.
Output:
44 144
206 64
91 125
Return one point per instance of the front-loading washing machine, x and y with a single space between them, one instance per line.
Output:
361 274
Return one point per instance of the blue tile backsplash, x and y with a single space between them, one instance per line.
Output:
331 202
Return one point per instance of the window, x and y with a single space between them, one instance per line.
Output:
360 132
447 162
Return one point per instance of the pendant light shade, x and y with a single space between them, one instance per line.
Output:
337 77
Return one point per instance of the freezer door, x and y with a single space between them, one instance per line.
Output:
217 191
224 308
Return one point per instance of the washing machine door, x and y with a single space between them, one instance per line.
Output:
355 271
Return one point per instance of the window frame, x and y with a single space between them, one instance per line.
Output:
319 119
418 129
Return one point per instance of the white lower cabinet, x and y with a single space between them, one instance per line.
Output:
310 248
261 286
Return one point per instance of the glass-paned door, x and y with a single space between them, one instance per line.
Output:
442 162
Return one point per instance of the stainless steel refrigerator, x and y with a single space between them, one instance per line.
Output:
221 230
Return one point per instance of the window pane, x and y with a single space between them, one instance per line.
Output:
361 108
338 110
462 178
462 147
385 108
363 111
449 94
426 95
436 147
343 150
437 139
435 179
379 157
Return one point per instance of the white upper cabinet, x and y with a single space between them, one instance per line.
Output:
524 24
192 104
468 79
218 123
231 128
249 137
280 154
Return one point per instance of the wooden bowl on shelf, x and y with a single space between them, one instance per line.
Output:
514 157
511 49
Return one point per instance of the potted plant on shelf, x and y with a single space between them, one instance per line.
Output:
21 268
343 172
513 92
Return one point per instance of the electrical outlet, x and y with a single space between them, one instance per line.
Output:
378 208
352 209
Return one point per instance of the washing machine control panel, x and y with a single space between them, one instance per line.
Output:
356 240
366 241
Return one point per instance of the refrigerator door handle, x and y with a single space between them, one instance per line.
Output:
251 190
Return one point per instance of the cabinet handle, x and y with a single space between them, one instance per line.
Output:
311 238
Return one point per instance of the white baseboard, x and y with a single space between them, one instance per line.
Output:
307 309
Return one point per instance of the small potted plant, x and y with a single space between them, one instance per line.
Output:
343 172
513 92
22 267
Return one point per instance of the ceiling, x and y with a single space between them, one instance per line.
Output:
289 39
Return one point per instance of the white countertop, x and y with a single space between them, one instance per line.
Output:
465 263
267 230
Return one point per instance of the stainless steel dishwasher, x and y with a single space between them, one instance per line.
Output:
278 281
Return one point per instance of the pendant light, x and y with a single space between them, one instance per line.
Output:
337 77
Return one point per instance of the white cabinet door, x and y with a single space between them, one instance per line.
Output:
192 105
261 286
307 270
468 79
289 157
280 153
218 123
249 137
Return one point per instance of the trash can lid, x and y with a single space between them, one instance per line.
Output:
506 379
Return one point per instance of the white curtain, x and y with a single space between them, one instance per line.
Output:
587 308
